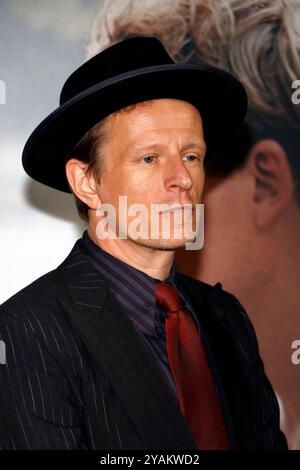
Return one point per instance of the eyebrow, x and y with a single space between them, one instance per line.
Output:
188 145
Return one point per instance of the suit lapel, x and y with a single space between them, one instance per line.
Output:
122 354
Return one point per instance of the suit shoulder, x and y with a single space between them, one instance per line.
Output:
216 291
34 317
224 301
39 293
196 283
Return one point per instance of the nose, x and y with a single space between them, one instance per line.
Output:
177 176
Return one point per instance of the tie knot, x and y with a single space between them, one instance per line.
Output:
167 297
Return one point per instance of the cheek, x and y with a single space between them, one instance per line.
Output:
199 183
227 214
138 188
221 207
229 201
117 182
143 187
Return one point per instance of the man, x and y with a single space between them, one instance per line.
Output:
115 349
252 197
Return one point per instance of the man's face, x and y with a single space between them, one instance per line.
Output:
154 155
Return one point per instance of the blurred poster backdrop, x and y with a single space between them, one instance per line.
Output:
252 196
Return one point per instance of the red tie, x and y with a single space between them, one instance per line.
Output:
198 398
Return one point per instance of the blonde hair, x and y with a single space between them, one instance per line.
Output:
257 41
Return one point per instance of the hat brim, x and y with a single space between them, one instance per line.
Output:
219 97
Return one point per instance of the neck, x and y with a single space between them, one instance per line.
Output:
152 261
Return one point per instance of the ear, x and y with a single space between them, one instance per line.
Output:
273 181
83 184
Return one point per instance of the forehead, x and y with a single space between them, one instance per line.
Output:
157 114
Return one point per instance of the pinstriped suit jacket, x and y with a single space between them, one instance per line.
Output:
78 375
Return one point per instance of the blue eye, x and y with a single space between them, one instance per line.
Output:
148 156
193 156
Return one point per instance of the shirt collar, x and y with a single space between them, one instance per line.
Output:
140 285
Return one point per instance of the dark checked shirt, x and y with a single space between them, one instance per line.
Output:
135 291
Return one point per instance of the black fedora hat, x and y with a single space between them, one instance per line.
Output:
133 70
